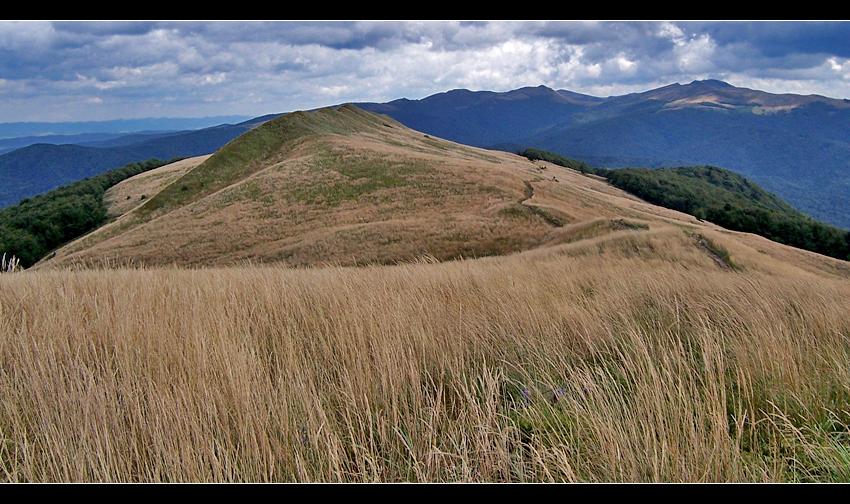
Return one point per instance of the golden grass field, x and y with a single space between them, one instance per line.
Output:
637 359
612 340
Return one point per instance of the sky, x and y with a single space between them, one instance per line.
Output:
81 71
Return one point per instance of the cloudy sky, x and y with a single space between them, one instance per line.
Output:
97 70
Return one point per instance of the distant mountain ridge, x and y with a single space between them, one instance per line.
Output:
10 144
797 146
477 117
118 126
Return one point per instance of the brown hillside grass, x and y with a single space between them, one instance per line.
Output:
134 191
631 356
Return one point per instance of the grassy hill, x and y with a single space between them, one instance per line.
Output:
341 185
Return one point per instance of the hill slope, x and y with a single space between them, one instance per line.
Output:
333 185
39 168
722 197
796 146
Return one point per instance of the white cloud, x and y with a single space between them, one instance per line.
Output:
672 32
626 65
695 55
214 78
841 68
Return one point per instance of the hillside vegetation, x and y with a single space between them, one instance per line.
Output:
42 167
574 164
733 202
35 226
722 197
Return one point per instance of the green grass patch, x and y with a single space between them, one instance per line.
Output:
362 175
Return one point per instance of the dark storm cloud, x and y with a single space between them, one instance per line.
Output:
88 70
101 28
781 39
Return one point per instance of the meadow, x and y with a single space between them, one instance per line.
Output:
633 358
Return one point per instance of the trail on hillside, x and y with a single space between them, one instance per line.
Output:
536 210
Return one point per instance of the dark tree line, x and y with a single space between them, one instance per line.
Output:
36 226
551 157
802 232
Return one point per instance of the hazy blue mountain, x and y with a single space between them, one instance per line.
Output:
130 138
796 146
10 144
41 167
485 118
22 129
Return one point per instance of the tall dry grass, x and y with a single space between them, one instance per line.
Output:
586 368
9 265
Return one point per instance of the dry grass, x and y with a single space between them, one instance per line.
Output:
9 265
128 194
635 358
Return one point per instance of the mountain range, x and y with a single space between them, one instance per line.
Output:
794 145
10 130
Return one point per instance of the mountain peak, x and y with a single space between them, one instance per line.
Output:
711 83
540 90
